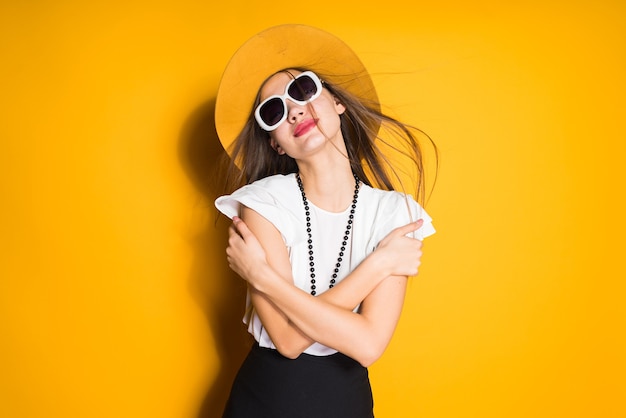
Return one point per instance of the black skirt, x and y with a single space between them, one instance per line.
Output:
269 385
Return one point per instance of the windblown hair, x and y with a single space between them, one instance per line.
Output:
362 125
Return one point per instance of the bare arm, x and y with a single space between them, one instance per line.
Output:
287 316
362 337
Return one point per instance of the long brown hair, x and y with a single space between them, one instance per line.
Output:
363 126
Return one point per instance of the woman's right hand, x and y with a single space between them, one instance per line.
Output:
399 254
244 253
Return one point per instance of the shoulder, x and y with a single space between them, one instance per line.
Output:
387 210
274 198
383 202
277 182
273 189
278 189
383 196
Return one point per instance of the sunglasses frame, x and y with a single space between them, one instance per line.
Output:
257 112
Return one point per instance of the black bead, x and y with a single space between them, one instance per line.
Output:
310 241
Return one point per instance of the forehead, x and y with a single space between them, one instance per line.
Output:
276 83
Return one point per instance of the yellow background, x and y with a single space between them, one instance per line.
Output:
116 301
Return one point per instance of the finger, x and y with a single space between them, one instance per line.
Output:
232 231
407 229
241 227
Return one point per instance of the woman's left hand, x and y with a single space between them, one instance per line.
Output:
244 253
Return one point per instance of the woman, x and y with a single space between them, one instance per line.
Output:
322 305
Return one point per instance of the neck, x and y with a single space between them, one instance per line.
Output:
328 187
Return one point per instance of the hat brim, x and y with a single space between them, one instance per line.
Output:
277 48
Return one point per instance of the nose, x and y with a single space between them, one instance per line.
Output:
295 111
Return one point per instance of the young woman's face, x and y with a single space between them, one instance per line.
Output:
307 127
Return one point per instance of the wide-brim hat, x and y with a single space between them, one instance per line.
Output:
278 48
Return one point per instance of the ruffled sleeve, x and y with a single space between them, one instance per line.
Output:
397 209
273 198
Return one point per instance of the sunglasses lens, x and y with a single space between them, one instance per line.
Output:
302 88
272 111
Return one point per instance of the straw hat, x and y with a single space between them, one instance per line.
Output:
277 48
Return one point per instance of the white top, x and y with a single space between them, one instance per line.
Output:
278 199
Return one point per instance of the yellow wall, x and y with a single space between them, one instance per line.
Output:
115 300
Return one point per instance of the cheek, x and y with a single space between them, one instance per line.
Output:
278 136
280 132
329 106
327 113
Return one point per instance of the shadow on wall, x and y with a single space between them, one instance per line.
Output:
219 292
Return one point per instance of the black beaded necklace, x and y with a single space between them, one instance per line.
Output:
307 212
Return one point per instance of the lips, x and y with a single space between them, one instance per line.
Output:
304 127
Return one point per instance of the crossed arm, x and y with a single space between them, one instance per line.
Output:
294 319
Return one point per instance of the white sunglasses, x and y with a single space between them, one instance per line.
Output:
304 88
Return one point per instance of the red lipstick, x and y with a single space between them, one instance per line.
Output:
304 127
